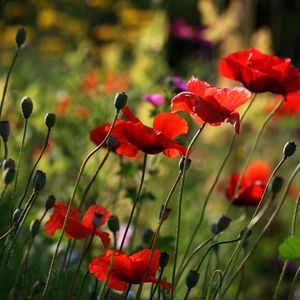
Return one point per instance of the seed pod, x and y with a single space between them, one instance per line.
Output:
26 107
276 185
39 180
192 278
17 214
9 163
20 37
8 175
163 259
222 225
181 163
113 224
35 228
4 130
289 149
50 119
120 100
49 202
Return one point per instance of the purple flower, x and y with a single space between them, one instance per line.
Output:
155 99
178 83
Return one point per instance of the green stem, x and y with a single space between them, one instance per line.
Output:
34 166
7 79
135 202
178 227
293 283
211 288
157 284
82 284
270 220
71 203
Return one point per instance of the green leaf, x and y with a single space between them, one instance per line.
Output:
290 248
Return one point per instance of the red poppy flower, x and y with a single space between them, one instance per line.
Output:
133 136
261 72
252 184
76 229
126 269
207 103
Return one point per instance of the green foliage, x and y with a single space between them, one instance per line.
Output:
290 248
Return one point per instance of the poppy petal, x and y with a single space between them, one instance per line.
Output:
130 115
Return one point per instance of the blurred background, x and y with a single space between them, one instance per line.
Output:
78 54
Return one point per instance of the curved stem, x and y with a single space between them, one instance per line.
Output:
178 227
7 79
71 202
210 287
135 201
270 220
34 166
293 283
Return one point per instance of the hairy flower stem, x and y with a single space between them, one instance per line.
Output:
270 220
197 227
71 203
75 276
18 166
103 295
7 79
34 167
206 253
286 261
178 227
135 201
157 230
251 152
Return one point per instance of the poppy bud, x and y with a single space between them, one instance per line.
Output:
192 278
4 130
147 236
113 224
39 180
120 100
49 202
37 287
163 259
276 185
112 143
289 149
182 163
222 224
9 163
164 213
26 107
17 214
97 218
50 119
35 228
20 37
8 175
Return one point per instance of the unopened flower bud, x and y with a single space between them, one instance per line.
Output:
17 214
222 224
182 163
39 180
112 143
8 175
20 37
192 278
113 224
4 130
97 218
164 213
163 259
9 163
35 228
37 287
50 119
26 107
147 236
276 185
120 100
289 149
49 202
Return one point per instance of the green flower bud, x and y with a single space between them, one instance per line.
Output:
181 163
49 202
4 130
26 107
113 224
9 163
20 37
120 100
192 278
39 180
17 214
276 185
289 149
35 228
8 175
50 119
